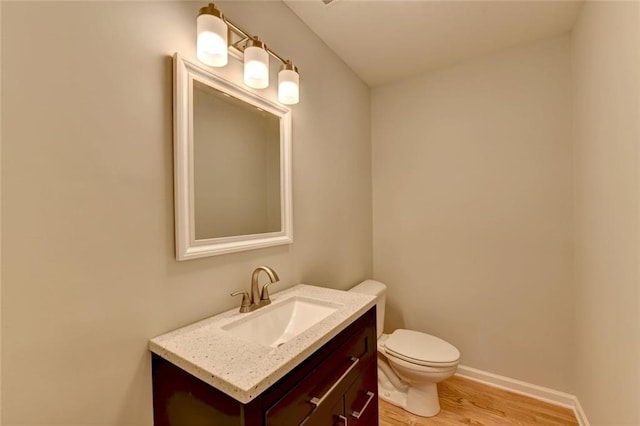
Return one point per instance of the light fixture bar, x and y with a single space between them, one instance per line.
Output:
236 29
257 66
246 37
275 55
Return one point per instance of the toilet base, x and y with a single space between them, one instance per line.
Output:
392 396
421 401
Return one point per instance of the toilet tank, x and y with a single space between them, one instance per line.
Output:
379 290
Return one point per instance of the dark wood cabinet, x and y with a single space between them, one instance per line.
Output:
337 385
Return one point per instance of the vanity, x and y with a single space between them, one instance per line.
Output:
308 358
308 354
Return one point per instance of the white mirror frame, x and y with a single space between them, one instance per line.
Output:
187 247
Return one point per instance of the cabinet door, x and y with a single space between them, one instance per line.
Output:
361 400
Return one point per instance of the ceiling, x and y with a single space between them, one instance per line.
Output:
383 41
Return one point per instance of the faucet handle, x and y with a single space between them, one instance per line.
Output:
264 295
246 301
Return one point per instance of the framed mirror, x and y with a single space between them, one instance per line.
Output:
232 166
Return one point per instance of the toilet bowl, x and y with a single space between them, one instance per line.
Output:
410 363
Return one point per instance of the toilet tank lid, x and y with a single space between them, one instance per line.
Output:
371 287
421 347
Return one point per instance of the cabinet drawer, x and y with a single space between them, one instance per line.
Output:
324 386
325 415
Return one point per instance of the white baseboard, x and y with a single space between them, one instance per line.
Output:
527 389
580 415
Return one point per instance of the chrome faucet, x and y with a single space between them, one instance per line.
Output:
256 298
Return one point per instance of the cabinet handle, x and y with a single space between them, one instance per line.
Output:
357 414
344 419
317 401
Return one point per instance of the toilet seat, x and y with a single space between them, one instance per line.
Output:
421 349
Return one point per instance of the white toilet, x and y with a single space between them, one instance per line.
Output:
410 363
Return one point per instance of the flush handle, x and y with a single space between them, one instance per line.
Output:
317 401
357 414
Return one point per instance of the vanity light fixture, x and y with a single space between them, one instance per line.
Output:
213 43
288 84
212 37
256 64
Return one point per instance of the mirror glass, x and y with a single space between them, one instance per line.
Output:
232 166
236 160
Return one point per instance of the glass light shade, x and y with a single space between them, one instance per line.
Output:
256 67
212 40
288 87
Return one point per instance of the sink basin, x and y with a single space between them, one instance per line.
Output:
276 324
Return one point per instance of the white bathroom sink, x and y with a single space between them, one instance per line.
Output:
276 324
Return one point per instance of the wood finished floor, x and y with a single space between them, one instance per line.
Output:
466 402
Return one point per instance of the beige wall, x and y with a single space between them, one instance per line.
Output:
88 267
473 190
473 209
606 103
0 219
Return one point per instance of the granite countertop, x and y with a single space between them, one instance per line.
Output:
244 369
